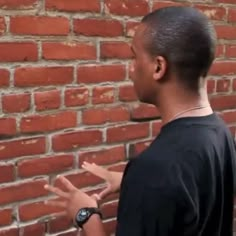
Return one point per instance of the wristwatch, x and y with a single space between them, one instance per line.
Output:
84 214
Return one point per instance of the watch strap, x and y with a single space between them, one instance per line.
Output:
91 211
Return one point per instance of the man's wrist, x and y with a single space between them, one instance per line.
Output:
93 221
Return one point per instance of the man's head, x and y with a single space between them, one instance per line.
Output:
172 45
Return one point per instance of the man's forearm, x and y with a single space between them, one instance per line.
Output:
94 227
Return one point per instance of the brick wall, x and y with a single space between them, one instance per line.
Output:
66 97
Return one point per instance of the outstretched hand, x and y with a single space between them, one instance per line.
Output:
112 178
72 200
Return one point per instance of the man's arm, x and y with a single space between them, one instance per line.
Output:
72 201
94 225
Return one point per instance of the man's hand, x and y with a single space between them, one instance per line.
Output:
72 200
112 178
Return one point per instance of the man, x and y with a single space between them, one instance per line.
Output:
182 185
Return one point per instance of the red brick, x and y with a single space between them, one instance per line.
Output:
37 229
73 5
127 93
41 123
223 68
22 147
212 12
18 4
142 111
230 51
220 51
126 7
138 147
229 116
2 25
226 1
105 156
103 95
127 132
225 32
59 224
7 126
7 173
5 217
16 103
43 76
234 84
69 51
97 116
109 210
45 165
101 73
47 100
110 226
18 51
117 168
35 210
81 180
223 85
223 102
98 27
119 50
9 232
39 25
69 141
4 78
156 127
159 4
76 96
232 15
211 86
22 191
131 27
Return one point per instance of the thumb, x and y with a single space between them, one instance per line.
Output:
96 197
104 193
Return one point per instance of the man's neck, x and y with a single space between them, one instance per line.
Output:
177 104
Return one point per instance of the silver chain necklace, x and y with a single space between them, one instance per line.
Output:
187 110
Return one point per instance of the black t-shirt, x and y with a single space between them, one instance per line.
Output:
183 184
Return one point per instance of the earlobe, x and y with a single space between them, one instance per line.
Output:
156 76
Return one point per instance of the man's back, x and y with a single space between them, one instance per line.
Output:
182 184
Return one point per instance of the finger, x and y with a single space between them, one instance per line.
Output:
57 191
96 170
69 186
96 197
56 203
104 193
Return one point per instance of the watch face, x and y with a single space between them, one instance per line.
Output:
82 215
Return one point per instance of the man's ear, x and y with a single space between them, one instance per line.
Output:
160 68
